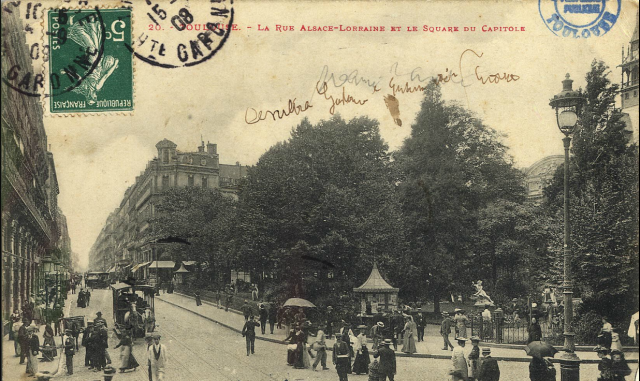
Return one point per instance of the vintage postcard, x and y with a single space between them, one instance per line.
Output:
320 190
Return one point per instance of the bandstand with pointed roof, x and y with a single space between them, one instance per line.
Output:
378 293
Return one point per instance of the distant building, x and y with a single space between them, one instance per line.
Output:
539 175
629 86
121 245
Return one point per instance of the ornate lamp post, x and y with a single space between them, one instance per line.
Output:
567 105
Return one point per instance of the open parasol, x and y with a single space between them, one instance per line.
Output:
540 349
298 302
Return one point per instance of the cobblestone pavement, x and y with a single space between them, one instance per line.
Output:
199 349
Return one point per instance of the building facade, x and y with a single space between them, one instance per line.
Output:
123 244
629 86
539 175
31 219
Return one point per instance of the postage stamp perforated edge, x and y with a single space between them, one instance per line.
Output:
45 98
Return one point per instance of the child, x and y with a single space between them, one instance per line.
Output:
374 375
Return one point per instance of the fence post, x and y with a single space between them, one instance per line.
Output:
498 317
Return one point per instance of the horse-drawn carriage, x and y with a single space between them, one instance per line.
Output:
133 309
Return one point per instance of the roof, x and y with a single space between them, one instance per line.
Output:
162 265
375 283
182 270
166 143
122 286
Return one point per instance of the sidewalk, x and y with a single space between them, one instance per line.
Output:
430 348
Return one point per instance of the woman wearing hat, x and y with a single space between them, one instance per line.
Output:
409 337
459 370
33 349
361 363
461 322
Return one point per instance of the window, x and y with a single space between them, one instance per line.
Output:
165 156
205 182
626 96
635 93
190 180
165 181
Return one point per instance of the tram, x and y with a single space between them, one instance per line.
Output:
97 280
133 309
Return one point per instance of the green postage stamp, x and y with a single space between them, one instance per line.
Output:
90 65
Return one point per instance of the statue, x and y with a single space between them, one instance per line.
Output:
481 295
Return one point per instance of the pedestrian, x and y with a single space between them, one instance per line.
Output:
100 345
535 331
156 359
374 368
272 316
81 301
489 370
100 319
198 300
474 358
15 318
264 314
23 339
127 360
254 291
330 319
461 322
341 358
320 346
75 331
229 299
487 329
291 348
361 363
87 343
87 297
49 350
16 336
376 335
249 333
218 298
605 333
459 370
69 350
619 367
73 287
445 330
33 349
246 310
301 356
604 365
387 368
421 323
409 340
541 369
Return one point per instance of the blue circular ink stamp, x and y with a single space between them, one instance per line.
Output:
579 18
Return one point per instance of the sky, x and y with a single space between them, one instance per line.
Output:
98 156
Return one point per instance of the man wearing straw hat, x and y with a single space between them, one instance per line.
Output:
341 358
156 358
387 367
445 330
69 350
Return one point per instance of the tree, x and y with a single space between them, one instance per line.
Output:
202 217
603 203
322 203
452 166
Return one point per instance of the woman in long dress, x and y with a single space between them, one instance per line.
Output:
409 341
127 361
49 342
33 349
361 363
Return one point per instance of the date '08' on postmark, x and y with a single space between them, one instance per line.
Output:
91 68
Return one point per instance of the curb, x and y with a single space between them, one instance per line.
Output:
398 354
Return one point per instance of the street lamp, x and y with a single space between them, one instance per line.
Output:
567 105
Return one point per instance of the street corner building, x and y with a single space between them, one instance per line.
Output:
122 247
34 229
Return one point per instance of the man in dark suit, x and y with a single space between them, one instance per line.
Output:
387 368
249 333
489 370
99 318
341 358
421 322
23 340
69 350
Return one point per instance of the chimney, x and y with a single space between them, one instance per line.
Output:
201 148
212 149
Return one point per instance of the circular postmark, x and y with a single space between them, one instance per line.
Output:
579 18
23 75
182 33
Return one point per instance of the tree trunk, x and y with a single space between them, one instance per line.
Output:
436 303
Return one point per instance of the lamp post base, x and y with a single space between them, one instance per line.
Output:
569 367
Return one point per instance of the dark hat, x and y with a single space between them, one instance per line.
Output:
616 351
109 369
99 313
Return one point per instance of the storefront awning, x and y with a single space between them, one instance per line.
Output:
162 265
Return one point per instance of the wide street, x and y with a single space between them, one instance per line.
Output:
199 349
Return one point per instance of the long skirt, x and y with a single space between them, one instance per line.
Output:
32 363
127 360
299 354
409 344
361 363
